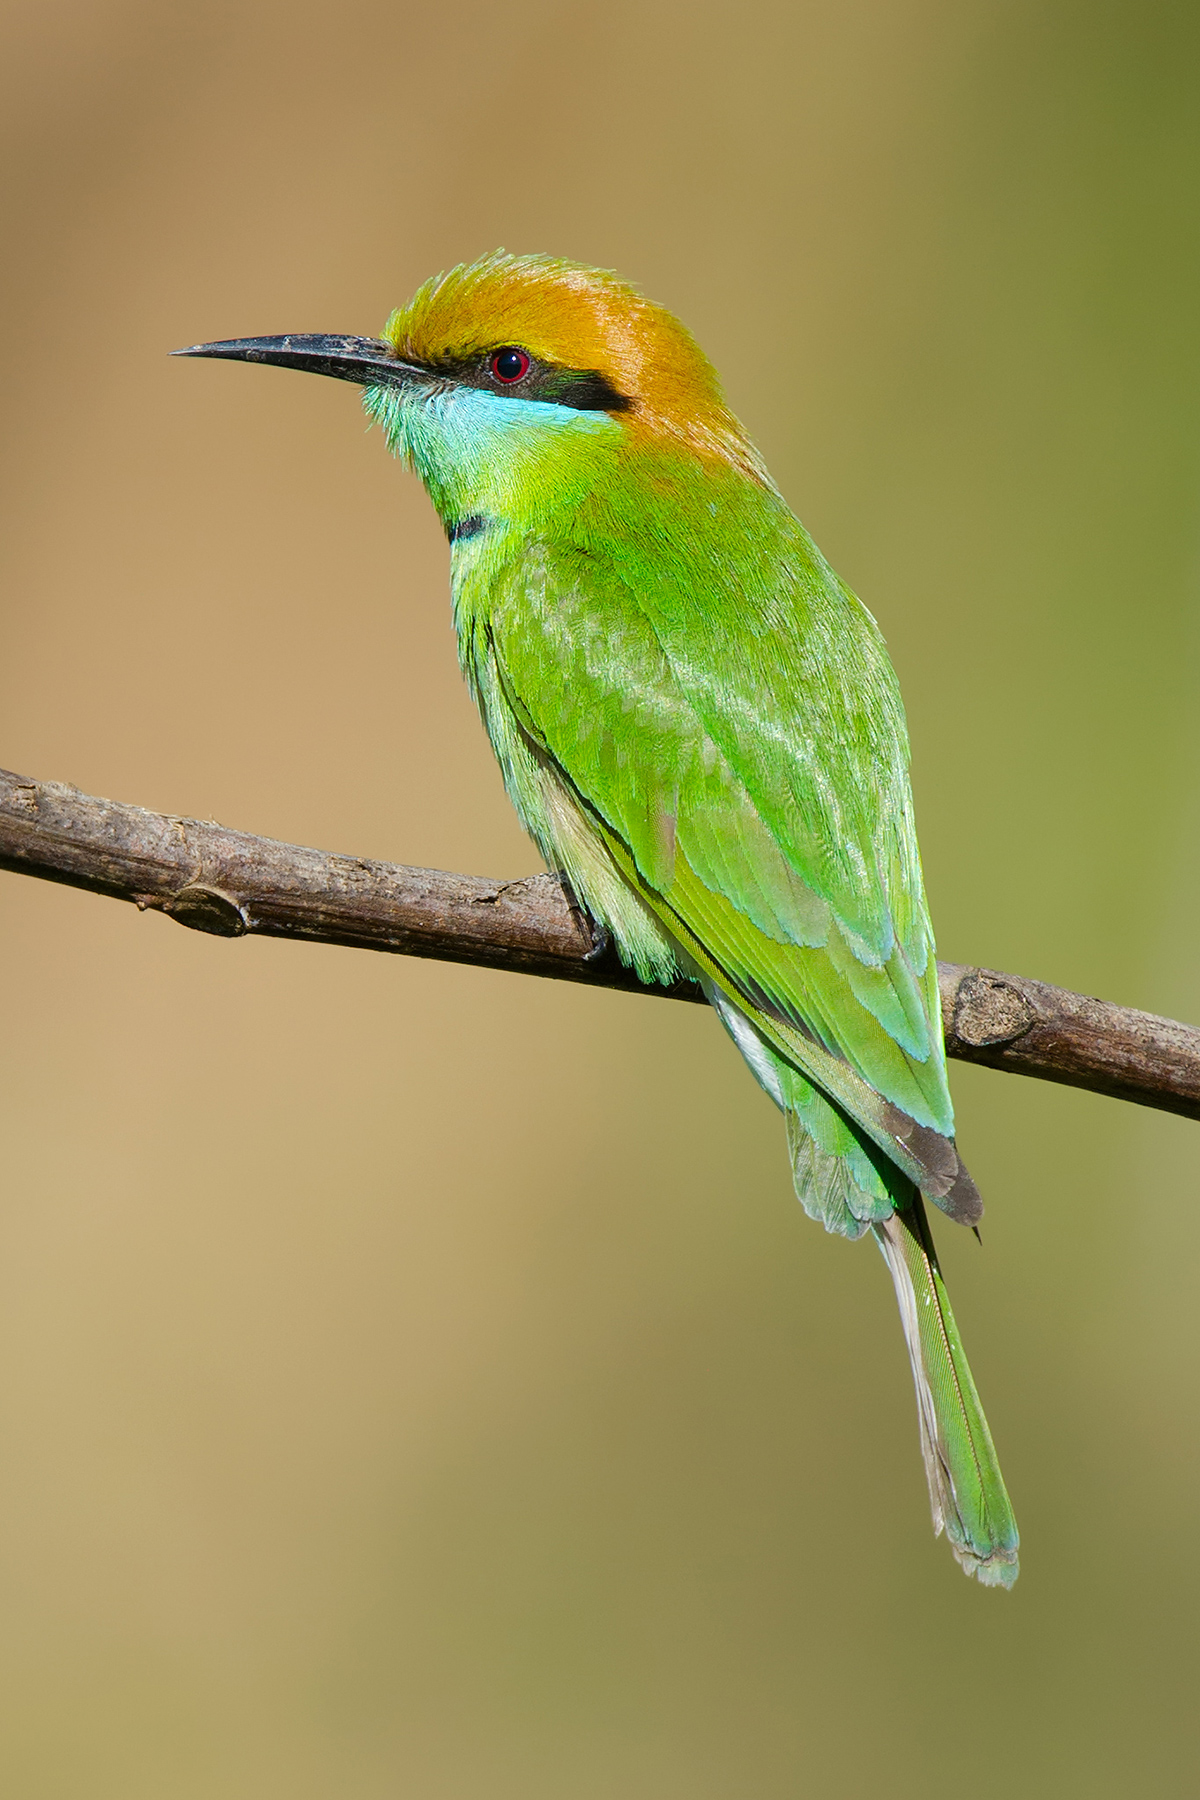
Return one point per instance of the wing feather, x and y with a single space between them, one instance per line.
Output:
741 751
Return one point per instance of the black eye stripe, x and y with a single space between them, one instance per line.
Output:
587 390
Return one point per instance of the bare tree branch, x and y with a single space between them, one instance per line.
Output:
230 884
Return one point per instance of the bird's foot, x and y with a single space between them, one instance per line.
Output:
596 934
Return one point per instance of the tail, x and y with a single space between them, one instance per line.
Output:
966 1488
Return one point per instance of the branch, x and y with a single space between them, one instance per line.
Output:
230 884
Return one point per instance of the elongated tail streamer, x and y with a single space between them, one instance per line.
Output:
966 1489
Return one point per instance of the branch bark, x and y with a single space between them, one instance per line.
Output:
230 884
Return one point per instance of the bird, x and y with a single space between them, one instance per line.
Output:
699 726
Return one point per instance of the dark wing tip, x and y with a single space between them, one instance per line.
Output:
935 1153
944 1178
963 1202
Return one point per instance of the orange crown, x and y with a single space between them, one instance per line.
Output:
574 317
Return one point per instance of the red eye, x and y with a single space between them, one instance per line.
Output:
509 366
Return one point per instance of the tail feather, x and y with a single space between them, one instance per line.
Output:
846 1182
966 1489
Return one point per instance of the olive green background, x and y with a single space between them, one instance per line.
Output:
420 1381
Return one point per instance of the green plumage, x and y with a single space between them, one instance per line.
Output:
656 727
700 727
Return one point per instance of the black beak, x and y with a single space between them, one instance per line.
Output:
369 361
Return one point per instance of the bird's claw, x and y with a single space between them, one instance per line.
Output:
596 934
601 941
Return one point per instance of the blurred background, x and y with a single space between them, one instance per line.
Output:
416 1380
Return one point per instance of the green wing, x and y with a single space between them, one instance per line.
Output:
724 713
708 740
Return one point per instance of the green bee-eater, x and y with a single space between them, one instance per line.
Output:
701 730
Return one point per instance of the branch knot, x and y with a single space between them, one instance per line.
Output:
990 1011
208 909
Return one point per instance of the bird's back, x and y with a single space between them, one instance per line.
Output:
677 657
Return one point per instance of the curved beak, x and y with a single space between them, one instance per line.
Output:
370 361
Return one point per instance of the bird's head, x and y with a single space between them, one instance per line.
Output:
523 377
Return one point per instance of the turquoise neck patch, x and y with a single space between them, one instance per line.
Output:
480 453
